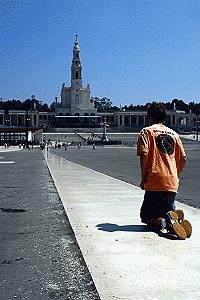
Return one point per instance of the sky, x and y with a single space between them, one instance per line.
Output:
132 51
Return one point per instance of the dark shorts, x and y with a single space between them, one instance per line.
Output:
156 204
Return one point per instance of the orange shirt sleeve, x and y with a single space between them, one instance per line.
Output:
179 154
143 143
181 149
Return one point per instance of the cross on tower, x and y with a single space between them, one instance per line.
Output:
76 35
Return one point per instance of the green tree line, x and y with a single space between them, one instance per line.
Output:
105 104
30 103
102 104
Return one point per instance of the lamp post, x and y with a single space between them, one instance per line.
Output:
197 126
6 134
27 120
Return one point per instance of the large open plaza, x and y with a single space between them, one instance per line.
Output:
75 233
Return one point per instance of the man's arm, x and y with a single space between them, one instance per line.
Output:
143 165
182 165
180 157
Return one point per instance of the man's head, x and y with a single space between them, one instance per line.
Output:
156 113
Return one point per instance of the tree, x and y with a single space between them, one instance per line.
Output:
52 106
180 105
103 104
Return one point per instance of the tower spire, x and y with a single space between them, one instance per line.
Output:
76 68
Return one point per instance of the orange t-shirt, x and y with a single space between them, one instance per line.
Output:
165 150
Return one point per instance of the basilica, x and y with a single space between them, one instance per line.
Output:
76 107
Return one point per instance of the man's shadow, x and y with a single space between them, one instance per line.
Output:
109 227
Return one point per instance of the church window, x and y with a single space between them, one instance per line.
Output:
76 74
77 56
77 98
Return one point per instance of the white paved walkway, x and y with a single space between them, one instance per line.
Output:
125 260
11 148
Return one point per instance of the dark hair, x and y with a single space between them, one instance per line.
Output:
157 112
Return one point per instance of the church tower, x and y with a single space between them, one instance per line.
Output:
76 68
75 100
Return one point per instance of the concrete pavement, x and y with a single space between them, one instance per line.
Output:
126 260
11 148
40 258
39 255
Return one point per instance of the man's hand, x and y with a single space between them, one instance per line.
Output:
142 185
143 164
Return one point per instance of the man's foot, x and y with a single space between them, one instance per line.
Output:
174 227
157 223
184 223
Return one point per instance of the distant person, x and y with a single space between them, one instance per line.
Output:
162 159
93 146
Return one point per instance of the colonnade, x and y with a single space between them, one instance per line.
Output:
117 119
19 119
139 119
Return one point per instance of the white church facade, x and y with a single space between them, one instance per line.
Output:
76 104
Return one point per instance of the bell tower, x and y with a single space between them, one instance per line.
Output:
75 99
76 68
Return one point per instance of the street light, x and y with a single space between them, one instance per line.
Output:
27 120
197 125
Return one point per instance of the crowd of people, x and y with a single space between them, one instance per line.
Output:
45 144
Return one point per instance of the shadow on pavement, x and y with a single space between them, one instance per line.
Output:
109 227
114 227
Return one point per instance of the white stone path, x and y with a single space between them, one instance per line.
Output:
125 260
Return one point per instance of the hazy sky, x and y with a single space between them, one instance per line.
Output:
132 51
